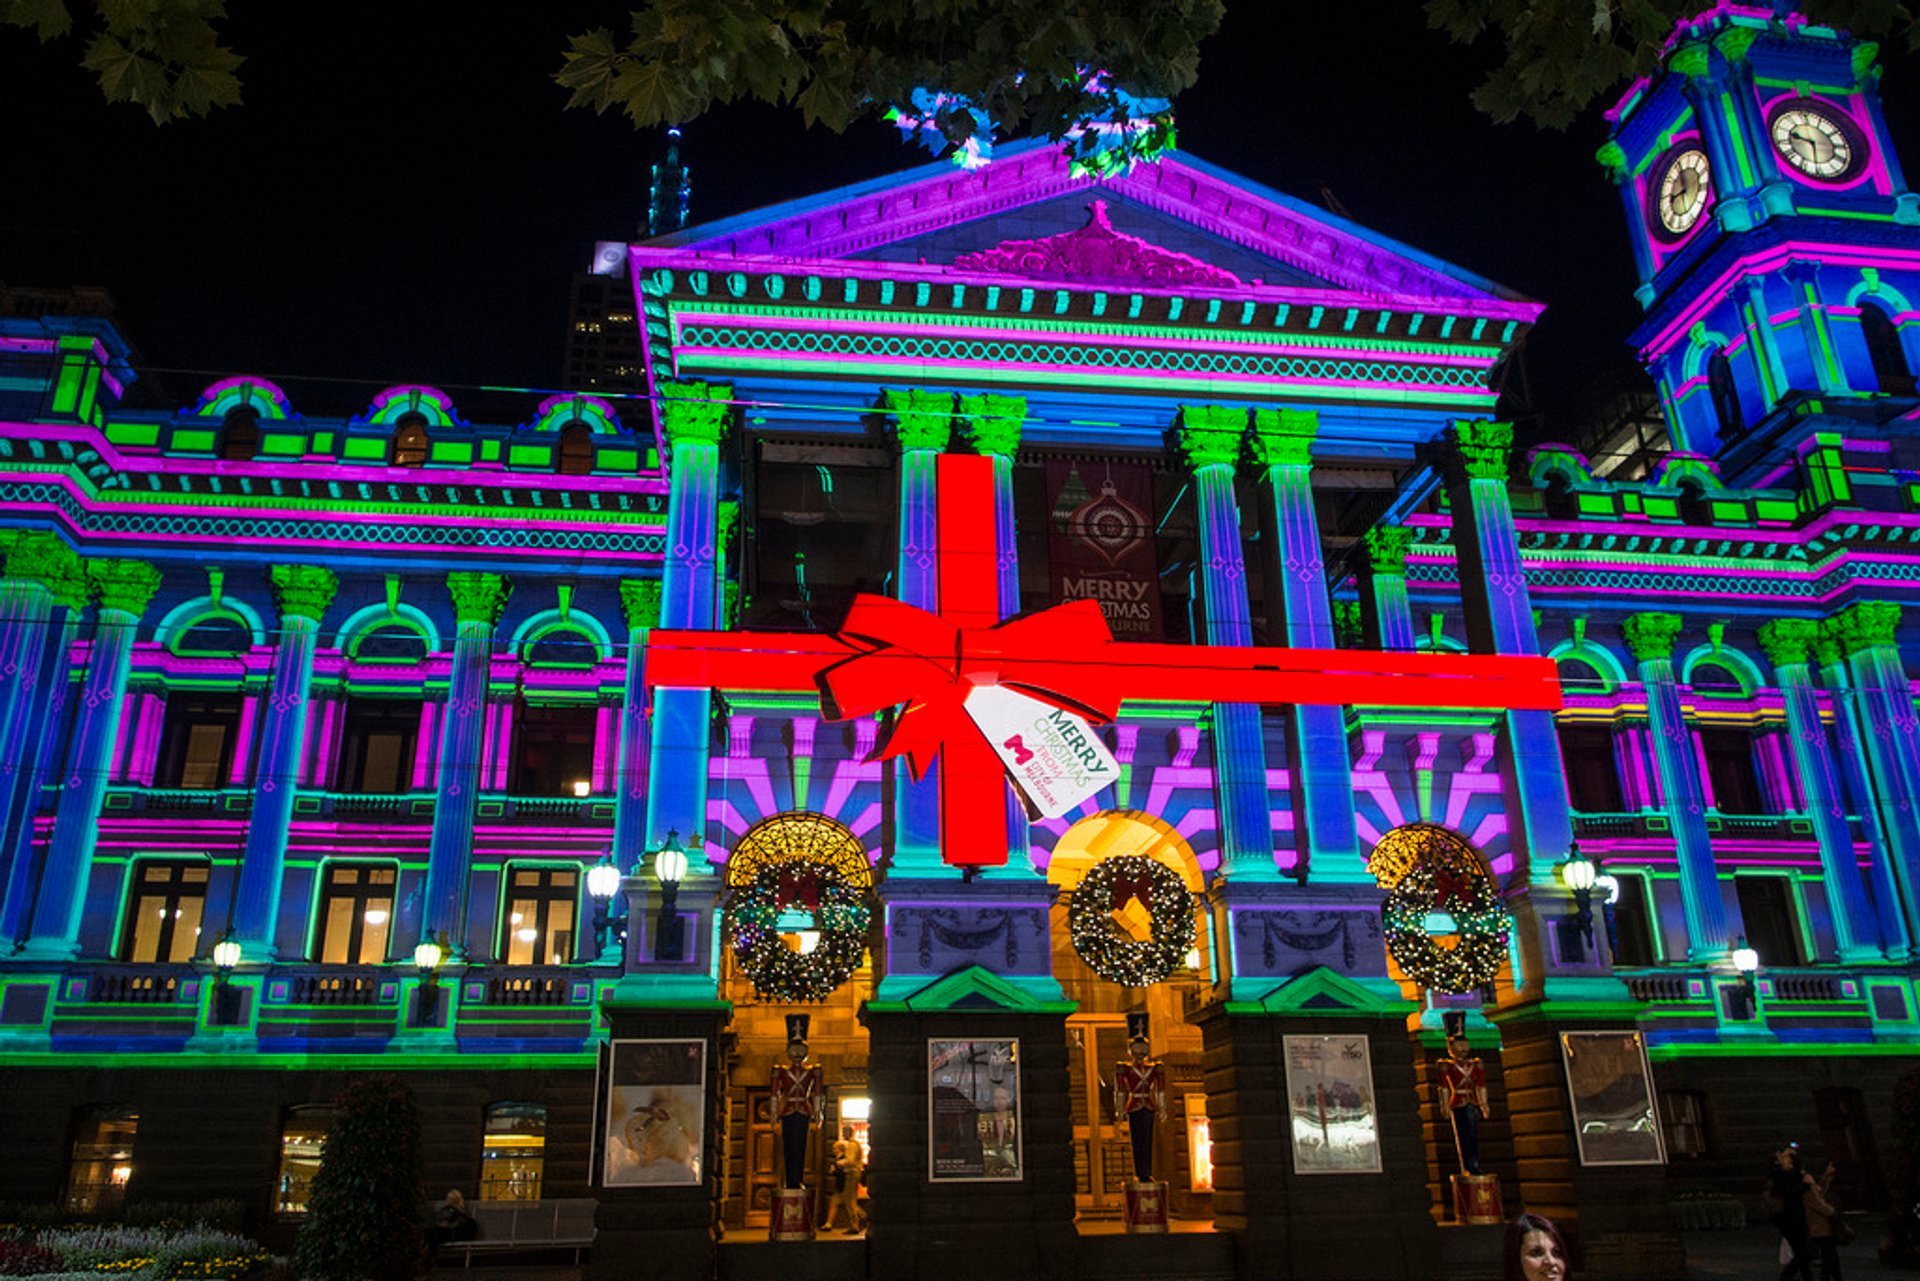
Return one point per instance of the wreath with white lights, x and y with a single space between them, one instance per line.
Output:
1106 948
1480 920
840 918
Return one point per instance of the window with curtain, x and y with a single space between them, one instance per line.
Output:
356 914
165 912
540 915
513 1152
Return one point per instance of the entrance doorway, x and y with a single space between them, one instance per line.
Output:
1102 1155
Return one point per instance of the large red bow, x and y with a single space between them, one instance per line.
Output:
1128 888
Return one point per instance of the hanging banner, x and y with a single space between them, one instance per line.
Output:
1100 543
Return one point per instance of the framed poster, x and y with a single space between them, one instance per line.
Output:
973 1111
1330 1110
655 1128
1611 1089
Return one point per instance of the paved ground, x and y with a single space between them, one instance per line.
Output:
1753 1254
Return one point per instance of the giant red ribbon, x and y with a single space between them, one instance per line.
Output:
893 655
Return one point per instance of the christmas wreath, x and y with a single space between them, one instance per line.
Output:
755 913
1479 917
1106 948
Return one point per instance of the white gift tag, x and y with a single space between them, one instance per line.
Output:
1053 756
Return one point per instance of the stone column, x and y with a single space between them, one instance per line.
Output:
922 425
992 425
1326 835
640 601
302 593
1386 612
1851 758
35 563
124 588
694 419
478 600
1866 635
1210 438
1710 931
1789 642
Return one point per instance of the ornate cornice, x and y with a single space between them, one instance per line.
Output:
992 423
1650 636
920 419
1097 252
303 591
1284 437
478 597
640 601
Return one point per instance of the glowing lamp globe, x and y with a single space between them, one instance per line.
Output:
1609 888
226 954
427 956
603 880
1578 872
1745 959
670 862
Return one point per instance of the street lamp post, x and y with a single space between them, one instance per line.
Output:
1746 963
670 935
1578 874
426 958
603 885
226 997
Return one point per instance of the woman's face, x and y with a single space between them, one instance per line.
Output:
1540 1258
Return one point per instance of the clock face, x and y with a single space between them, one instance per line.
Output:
1814 141
1681 195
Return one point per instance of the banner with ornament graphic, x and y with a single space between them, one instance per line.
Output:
1100 543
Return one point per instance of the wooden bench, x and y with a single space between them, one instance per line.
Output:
565 1224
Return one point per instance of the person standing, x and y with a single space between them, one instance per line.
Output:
1825 1227
1787 1188
849 1167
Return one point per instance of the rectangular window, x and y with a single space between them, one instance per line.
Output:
1593 779
1634 946
553 748
1772 921
513 1156
102 1160
377 745
165 912
197 740
356 914
540 907
301 1140
1730 768
1684 1115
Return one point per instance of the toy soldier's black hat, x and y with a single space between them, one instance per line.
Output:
1455 1021
1136 1026
797 1028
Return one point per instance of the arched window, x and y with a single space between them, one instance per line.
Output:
1883 349
240 438
410 442
1726 397
576 449
513 1153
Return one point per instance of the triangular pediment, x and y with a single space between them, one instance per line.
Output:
1180 224
974 987
1324 991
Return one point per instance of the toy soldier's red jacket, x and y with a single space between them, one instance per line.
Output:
1138 1086
798 1090
1464 1085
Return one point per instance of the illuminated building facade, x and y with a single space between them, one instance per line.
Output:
369 699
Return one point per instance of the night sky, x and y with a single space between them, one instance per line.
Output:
402 198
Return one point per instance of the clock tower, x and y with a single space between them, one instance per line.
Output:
1777 244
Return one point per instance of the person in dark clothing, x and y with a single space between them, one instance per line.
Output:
1787 1187
1826 1227
450 1222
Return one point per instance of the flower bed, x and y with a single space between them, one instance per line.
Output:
159 1253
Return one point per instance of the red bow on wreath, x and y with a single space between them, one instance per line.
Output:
1450 884
797 887
1140 887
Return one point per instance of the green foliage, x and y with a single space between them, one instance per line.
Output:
1563 55
164 55
839 60
364 1217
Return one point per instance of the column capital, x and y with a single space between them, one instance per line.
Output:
695 413
920 419
1209 435
640 601
46 559
478 597
1284 437
1651 635
303 591
1788 640
992 423
1476 449
125 586
1387 549
1864 625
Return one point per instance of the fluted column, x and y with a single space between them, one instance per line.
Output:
35 563
1210 438
640 601
302 593
694 418
922 426
992 425
124 589
1386 612
1866 634
1710 932
1851 759
1322 769
478 601
1789 642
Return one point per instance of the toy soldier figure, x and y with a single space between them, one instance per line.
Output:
799 1097
1140 1095
1463 1091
